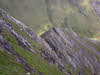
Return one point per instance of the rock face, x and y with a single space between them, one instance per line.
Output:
6 45
96 6
72 53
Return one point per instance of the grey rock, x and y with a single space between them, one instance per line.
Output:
69 51
71 48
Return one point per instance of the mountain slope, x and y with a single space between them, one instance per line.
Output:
15 39
79 15
57 52
76 52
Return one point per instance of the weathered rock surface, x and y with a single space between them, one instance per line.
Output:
73 49
96 6
9 49
72 53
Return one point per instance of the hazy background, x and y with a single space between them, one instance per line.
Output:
41 15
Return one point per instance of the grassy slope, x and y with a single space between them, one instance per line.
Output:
44 67
8 65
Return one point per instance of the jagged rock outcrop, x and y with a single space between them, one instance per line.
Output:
72 53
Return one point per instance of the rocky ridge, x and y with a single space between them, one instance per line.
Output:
73 54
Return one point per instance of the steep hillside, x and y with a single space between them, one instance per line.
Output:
41 15
19 44
57 52
79 15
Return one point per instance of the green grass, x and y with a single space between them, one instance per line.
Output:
16 28
8 65
42 66
37 61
